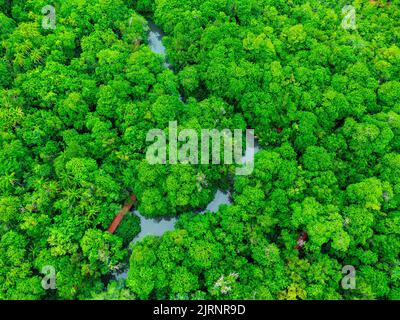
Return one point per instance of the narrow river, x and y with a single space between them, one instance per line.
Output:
155 41
157 227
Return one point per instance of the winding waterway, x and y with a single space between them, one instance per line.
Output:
157 227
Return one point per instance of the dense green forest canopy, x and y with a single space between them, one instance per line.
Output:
77 101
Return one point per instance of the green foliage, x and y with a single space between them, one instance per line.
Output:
128 229
76 104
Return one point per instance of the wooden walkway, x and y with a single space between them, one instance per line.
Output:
125 209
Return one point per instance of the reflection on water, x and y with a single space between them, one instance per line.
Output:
155 41
250 152
221 197
157 227
154 227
